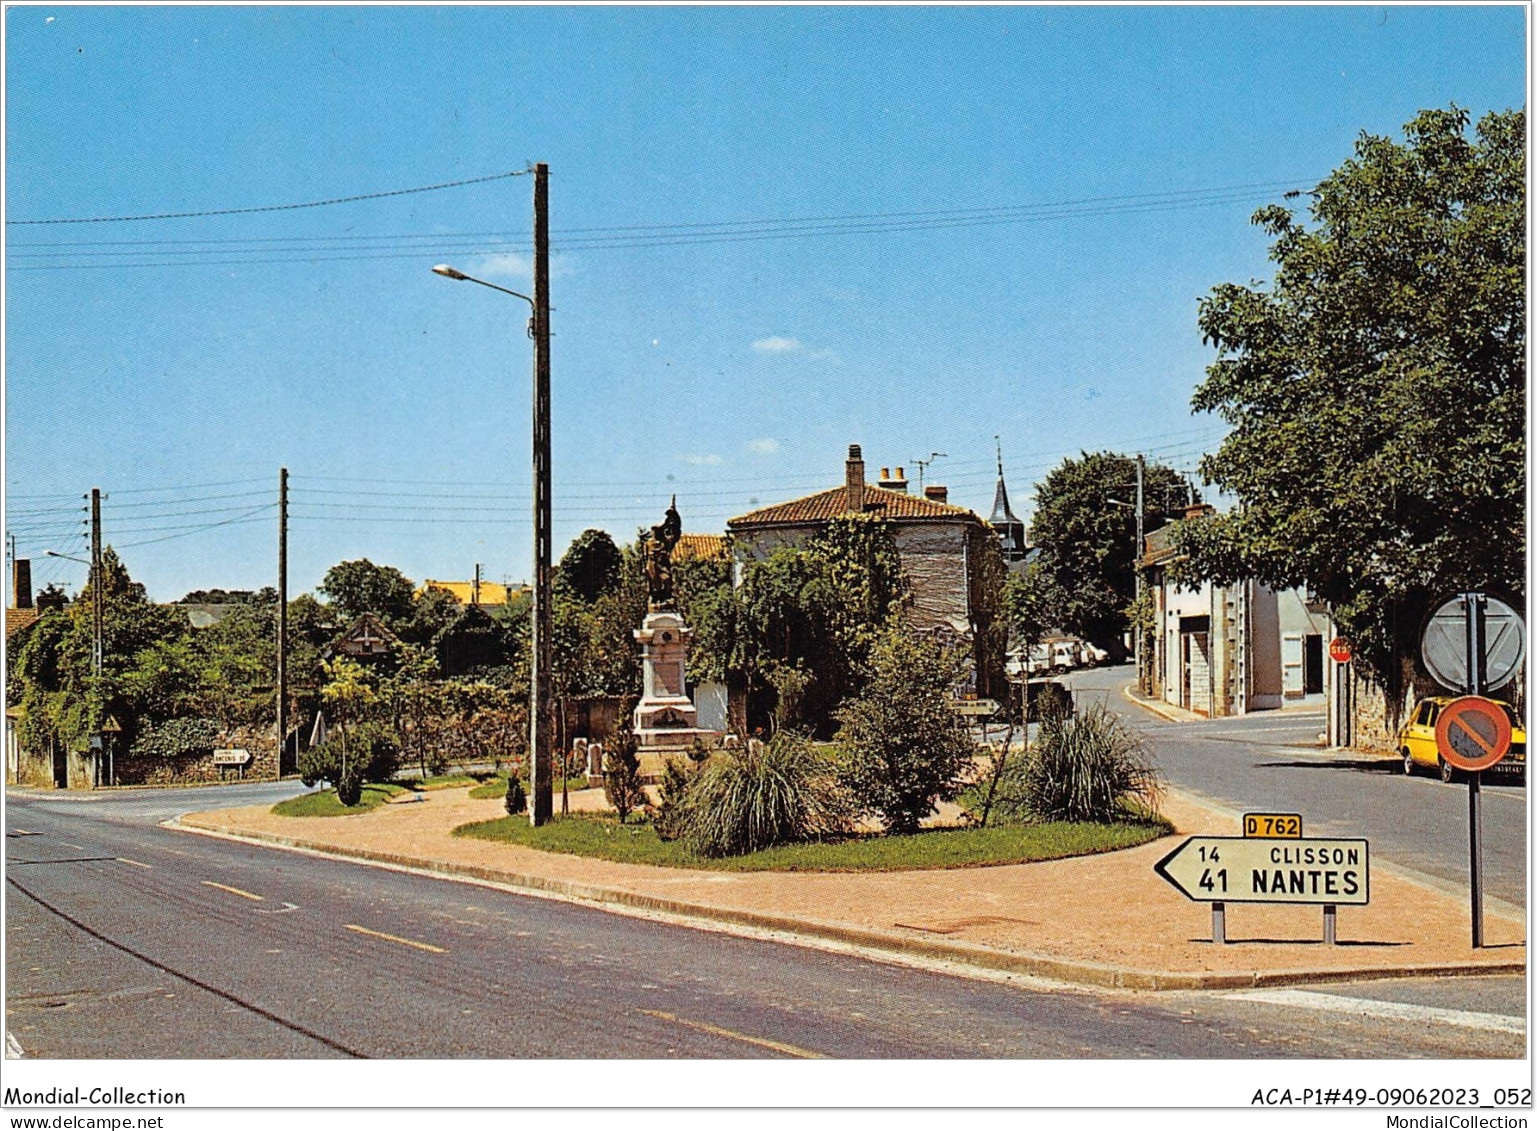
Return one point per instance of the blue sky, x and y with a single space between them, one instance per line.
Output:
178 363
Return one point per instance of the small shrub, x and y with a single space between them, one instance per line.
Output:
516 799
371 754
770 794
672 792
907 748
1092 767
621 775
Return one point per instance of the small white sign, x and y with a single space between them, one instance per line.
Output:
231 757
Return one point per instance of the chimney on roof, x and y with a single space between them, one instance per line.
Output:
854 479
936 493
897 482
21 583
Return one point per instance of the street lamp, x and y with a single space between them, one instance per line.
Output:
541 714
96 642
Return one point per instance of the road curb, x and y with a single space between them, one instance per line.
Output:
1150 707
965 954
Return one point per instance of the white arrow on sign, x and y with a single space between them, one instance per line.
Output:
1234 869
977 706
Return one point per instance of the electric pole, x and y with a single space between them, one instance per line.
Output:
282 616
96 583
540 715
1136 565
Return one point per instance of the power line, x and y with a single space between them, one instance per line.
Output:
250 252
274 207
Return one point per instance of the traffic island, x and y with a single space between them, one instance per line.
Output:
1106 920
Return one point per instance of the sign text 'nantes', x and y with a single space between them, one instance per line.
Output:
1226 869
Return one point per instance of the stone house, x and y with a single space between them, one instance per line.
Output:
940 546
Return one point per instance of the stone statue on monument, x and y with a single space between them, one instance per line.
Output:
658 547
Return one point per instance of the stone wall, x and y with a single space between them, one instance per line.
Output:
934 561
259 742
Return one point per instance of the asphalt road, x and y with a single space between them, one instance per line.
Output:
1271 761
128 940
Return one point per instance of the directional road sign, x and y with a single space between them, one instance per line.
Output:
1444 644
980 707
1231 869
1473 733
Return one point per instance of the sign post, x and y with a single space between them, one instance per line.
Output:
1275 866
1476 644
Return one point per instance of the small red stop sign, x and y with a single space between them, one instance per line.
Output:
1339 650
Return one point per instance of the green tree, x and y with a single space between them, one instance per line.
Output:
349 690
1085 526
905 746
358 587
1376 389
146 670
809 617
590 567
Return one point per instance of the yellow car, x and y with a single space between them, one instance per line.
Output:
1417 741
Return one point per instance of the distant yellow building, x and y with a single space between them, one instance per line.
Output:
490 592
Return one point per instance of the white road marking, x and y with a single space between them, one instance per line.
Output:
1385 1010
135 863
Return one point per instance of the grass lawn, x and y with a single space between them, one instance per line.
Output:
325 804
637 843
497 787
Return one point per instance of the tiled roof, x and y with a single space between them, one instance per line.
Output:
18 619
708 546
827 505
491 592
1159 546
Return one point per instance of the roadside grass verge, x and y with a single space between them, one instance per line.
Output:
497 787
323 803
603 837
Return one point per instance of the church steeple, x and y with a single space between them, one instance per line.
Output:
1005 523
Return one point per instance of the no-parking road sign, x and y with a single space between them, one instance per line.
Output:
1473 733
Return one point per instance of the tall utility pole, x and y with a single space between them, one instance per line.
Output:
282 615
1136 567
541 714
96 584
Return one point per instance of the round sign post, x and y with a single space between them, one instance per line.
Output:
1473 643
1473 733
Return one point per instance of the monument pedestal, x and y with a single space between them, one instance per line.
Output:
666 722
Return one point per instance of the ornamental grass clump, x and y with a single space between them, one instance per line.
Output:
745 800
1089 767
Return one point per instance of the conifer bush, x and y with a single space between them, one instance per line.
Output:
621 774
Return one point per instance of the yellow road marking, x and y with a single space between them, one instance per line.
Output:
396 938
135 863
233 891
716 1030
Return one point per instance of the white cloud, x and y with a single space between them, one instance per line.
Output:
705 459
515 266
765 445
776 345
507 266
